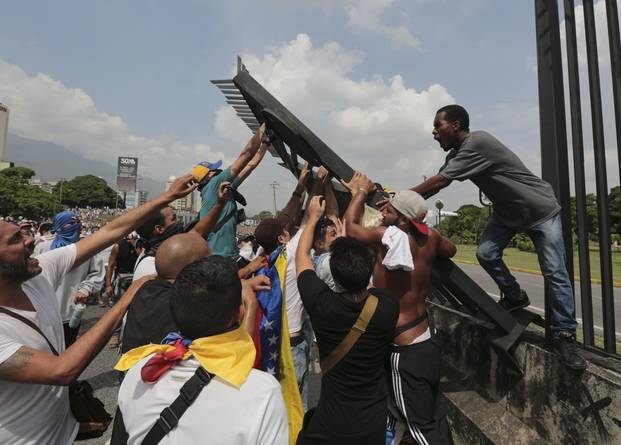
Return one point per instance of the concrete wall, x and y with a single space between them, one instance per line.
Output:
491 403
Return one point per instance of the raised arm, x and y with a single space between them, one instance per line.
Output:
249 168
121 226
114 253
431 186
316 189
206 224
29 365
249 300
252 267
332 207
247 152
289 215
314 211
360 186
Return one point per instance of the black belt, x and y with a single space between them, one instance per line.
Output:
412 324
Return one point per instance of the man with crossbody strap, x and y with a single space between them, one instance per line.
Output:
352 408
199 386
34 403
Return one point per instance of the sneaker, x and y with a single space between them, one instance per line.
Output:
511 304
565 344
114 342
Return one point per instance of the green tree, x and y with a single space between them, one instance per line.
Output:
264 214
88 190
523 242
19 174
467 226
20 199
614 202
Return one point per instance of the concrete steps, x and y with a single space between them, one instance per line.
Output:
475 420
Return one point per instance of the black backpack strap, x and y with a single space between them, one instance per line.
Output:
138 261
31 325
169 417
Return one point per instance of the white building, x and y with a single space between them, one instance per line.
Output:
134 199
4 129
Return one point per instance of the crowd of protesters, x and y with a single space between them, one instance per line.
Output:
215 330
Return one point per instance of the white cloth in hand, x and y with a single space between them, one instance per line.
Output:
399 255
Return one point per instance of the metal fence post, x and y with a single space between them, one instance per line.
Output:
612 19
554 162
580 189
601 180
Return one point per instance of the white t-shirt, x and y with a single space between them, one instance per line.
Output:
221 415
145 265
295 309
31 413
86 278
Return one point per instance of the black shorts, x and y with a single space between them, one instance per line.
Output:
414 375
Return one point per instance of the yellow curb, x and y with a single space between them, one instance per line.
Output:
534 272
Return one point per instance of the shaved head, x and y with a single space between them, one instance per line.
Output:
177 252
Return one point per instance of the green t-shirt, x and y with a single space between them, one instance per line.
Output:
222 240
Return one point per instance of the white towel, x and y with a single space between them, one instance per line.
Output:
399 255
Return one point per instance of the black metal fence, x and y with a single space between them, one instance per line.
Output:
555 147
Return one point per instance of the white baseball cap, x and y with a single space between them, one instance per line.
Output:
413 206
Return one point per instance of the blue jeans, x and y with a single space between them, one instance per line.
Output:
548 240
301 360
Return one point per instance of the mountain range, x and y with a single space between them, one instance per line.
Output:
52 161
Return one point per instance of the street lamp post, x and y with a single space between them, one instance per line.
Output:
274 185
439 206
60 193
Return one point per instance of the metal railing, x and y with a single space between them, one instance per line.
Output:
554 144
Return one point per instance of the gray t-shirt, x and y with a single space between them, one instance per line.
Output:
521 199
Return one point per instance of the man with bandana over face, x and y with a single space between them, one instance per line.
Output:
78 284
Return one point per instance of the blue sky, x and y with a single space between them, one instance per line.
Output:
108 78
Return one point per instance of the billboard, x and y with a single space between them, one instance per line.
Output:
126 174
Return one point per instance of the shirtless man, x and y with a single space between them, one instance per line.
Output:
415 356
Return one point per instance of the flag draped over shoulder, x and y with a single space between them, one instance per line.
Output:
228 355
275 349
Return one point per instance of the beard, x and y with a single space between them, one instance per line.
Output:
18 273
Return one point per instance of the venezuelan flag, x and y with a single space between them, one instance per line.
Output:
274 355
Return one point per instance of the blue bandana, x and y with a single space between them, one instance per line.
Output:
66 228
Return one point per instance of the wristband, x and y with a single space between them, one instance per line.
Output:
360 189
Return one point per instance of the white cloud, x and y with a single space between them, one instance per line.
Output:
380 126
366 15
45 109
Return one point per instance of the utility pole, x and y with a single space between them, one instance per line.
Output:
274 185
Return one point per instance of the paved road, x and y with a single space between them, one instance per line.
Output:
533 285
100 373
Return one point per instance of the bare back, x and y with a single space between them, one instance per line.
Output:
411 287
